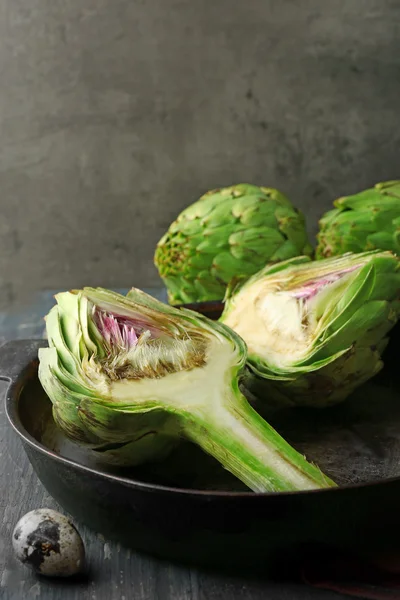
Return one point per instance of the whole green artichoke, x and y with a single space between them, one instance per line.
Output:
129 376
229 232
368 220
316 330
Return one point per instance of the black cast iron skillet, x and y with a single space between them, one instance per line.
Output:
189 509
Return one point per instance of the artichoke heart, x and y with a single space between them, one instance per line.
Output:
128 377
316 330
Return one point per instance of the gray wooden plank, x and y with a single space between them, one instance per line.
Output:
219 588
115 573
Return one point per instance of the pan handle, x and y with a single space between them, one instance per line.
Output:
16 355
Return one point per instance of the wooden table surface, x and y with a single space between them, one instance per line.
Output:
115 573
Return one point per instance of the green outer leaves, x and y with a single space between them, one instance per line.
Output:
351 334
367 220
227 233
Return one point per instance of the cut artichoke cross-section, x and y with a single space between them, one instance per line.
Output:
129 376
316 330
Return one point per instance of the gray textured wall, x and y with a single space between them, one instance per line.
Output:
115 114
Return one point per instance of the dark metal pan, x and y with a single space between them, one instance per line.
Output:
188 509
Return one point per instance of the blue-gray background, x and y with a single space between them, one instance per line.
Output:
115 114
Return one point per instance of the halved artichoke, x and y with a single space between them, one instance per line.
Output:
316 330
128 376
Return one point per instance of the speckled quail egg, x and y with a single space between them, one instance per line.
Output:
48 542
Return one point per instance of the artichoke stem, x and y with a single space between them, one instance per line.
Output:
247 446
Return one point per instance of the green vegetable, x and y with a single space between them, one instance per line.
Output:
128 376
316 330
368 220
229 232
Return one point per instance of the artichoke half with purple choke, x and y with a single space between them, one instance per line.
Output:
315 330
128 377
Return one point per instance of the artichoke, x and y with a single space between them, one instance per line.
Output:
129 376
369 220
229 232
315 330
